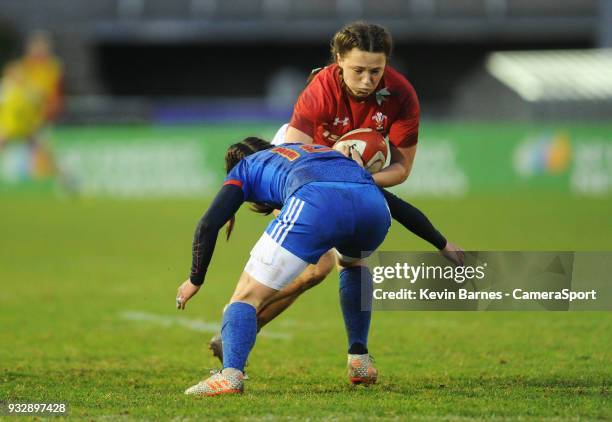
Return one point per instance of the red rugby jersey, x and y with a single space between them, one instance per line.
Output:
325 111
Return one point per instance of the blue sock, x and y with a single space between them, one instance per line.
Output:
238 333
356 320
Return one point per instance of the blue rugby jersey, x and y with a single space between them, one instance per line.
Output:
273 175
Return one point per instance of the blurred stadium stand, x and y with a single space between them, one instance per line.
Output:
553 84
127 58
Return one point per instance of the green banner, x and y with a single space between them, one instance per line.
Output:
453 159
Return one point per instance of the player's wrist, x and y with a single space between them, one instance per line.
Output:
196 280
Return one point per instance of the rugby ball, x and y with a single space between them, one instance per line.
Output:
370 144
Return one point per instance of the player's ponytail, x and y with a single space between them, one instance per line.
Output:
234 154
364 36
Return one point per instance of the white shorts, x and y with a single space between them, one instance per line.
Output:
272 265
279 138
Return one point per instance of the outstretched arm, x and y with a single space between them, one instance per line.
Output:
223 207
414 220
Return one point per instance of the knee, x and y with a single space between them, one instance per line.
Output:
252 300
251 291
344 264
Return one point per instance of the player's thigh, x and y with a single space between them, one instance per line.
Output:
312 275
272 265
291 242
251 291
315 274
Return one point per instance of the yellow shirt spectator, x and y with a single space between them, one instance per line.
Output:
43 71
21 107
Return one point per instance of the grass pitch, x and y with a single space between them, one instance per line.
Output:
87 317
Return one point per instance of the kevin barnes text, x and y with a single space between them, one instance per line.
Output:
464 294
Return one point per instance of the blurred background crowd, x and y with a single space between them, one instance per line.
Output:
199 62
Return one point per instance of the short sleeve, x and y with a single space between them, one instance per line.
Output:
404 131
308 109
238 176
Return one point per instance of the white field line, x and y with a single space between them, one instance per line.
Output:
190 324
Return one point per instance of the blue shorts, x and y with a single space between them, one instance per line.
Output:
352 217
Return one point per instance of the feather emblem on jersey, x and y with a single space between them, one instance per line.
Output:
380 120
381 95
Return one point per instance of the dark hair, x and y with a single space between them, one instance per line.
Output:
364 36
246 147
234 154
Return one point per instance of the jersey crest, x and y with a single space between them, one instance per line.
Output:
380 120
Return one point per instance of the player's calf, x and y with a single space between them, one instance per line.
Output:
281 300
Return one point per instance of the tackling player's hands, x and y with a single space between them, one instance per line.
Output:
351 152
453 253
185 292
